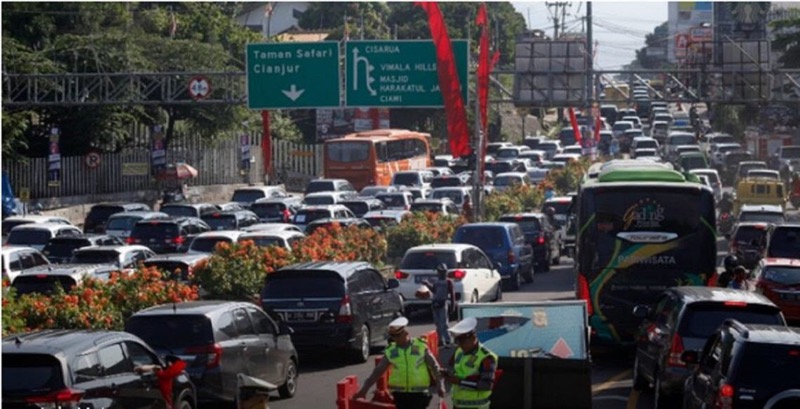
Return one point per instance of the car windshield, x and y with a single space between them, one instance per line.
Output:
247 196
318 200
427 260
95 257
682 140
154 230
29 237
499 167
102 213
64 248
358 208
171 331
406 179
561 207
507 153
507 180
646 144
31 373
764 217
745 168
308 216
785 243
302 284
775 364
392 200
782 275
790 153
221 222
482 237
700 321
207 244
451 181
46 284
372 190
622 126
267 210
179 211
122 223
758 173
528 225
427 207
746 235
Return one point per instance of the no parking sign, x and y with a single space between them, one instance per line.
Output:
92 160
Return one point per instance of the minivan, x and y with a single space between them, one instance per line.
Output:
504 244
98 215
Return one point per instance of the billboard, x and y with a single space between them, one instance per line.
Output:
683 16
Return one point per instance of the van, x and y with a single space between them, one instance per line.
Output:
675 139
759 191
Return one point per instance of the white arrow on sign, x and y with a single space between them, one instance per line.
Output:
293 93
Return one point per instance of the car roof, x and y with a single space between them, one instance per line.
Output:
284 234
692 294
230 234
142 213
328 193
771 334
118 249
511 174
345 269
761 208
203 307
185 257
323 207
441 246
789 262
36 218
522 215
43 226
60 341
10 248
270 227
278 199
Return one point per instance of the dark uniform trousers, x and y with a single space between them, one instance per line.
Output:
411 400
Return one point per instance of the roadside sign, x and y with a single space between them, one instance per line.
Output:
199 88
292 75
135 169
24 194
92 160
681 43
398 73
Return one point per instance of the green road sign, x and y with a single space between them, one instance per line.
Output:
398 73
293 75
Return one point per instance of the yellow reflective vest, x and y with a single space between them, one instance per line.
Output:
409 369
466 366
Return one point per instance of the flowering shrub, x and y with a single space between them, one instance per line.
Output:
237 271
92 304
337 243
421 228
569 178
514 200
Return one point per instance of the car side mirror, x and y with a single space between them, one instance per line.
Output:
641 311
392 284
691 357
497 265
284 328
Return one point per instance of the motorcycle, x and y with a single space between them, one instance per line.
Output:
725 222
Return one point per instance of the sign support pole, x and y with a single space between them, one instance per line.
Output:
477 178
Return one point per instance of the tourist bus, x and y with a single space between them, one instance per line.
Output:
372 157
641 229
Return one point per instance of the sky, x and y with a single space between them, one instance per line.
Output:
619 27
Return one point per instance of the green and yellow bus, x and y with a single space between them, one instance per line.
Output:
641 229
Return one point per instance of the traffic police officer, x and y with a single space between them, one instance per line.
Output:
412 367
472 368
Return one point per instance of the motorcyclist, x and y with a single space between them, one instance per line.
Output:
730 263
550 212
726 203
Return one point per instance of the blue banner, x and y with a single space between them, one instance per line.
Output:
537 329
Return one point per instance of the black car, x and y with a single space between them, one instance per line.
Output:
745 366
189 209
231 220
168 236
747 242
342 305
363 205
276 209
219 340
540 235
84 369
60 249
98 215
682 319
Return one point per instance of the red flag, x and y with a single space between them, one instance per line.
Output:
575 128
483 69
457 128
597 124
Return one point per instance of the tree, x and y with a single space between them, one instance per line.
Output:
787 41
657 39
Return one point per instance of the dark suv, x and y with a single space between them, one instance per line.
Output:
540 235
505 245
98 215
84 369
167 236
745 366
60 249
276 209
231 220
333 305
188 209
682 319
218 340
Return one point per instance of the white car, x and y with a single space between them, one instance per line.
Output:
713 177
123 257
475 278
14 221
271 227
204 243
121 224
17 259
37 235
325 198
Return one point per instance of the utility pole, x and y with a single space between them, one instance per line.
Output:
589 57
560 10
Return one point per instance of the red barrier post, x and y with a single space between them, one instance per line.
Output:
382 393
345 389
432 339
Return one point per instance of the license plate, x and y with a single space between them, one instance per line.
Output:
790 296
424 277
301 316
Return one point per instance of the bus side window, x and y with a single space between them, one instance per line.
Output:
383 155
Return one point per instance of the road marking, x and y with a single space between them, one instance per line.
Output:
611 381
633 399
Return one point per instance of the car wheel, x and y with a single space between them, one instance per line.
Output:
639 383
516 281
184 404
529 274
362 346
289 387
498 295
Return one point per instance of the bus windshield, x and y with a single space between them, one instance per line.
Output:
635 242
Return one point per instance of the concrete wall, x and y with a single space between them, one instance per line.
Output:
75 208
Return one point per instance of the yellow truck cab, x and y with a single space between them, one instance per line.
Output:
759 191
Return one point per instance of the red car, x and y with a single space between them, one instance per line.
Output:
779 280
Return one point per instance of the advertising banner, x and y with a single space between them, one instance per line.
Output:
244 141
54 159
158 153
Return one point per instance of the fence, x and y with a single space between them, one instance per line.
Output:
216 163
